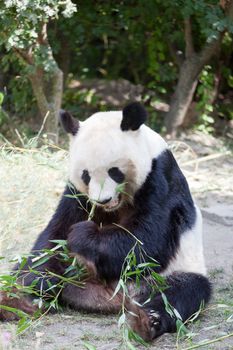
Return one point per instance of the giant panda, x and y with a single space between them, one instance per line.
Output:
156 208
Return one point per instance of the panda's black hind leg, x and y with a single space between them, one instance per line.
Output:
185 292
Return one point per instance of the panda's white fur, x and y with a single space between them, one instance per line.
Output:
101 144
190 257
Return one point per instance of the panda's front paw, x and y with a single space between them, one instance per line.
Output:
82 236
149 324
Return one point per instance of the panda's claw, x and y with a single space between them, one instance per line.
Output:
155 324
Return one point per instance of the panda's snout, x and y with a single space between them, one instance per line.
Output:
105 201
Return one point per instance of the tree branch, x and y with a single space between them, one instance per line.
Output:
37 86
227 5
25 55
229 8
189 48
42 35
210 49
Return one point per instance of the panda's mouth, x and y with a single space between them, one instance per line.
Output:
114 204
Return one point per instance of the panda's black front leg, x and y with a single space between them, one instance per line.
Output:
82 238
106 248
82 242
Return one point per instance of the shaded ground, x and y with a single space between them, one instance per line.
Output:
30 185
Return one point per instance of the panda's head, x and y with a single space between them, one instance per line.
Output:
111 154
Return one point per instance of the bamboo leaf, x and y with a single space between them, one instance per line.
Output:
42 261
89 346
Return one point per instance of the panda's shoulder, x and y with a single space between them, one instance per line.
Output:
166 166
167 188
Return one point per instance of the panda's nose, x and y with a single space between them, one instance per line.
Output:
105 201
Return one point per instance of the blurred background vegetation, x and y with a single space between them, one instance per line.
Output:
175 56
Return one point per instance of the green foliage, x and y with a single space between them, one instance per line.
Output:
23 29
120 47
130 39
18 93
204 104
82 102
3 114
1 98
21 20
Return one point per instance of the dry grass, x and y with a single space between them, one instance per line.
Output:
31 181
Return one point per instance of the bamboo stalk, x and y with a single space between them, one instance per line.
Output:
209 342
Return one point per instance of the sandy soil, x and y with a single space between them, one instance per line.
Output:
211 182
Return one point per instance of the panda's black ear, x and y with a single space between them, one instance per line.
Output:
134 115
69 123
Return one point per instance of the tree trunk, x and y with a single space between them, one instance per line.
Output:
47 86
64 57
49 103
188 77
182 97
54 96
190 69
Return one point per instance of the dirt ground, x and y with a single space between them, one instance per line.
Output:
30 185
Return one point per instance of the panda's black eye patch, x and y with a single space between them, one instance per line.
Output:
116 174
86 177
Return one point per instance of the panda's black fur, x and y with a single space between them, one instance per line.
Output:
161 212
